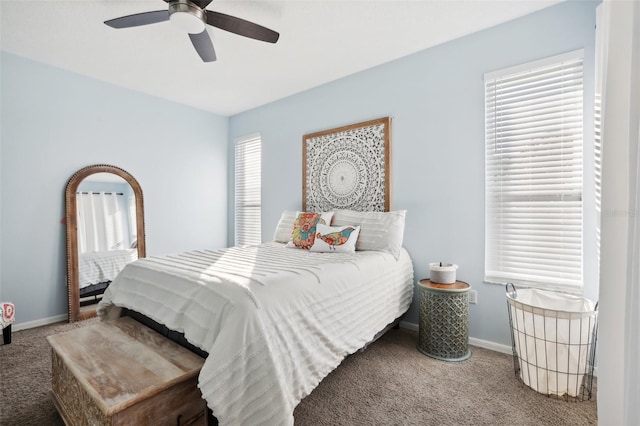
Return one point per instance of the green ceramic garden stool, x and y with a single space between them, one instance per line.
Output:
444 320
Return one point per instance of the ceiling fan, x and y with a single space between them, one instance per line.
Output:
191 16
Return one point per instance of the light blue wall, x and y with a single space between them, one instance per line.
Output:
436 100
55 122
90 186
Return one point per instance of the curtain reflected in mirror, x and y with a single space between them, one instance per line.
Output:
105 232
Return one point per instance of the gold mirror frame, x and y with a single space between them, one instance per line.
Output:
73 288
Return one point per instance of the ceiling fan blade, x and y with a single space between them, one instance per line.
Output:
201 3
139 19
204 46
241 27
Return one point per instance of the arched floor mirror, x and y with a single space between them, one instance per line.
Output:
105 231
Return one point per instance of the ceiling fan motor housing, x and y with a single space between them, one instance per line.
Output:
187 16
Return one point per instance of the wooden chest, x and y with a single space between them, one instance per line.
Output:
123 373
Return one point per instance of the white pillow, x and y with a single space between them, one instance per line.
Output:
379 231
335 239
304 228
284 228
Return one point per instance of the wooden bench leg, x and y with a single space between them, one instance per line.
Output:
6 334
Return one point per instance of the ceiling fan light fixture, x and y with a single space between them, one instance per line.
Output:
186 16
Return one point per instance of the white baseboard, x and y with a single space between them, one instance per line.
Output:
472 340
37 323
485 344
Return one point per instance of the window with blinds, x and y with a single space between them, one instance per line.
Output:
533 174
247 191
597 127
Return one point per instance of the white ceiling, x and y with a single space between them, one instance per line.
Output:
320 41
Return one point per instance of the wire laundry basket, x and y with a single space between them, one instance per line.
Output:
553 338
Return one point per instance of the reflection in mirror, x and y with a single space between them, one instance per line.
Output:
105 231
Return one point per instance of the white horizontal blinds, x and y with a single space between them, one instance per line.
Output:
597 137
598 168
533 220
247 191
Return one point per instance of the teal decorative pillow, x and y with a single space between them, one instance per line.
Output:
304 228
335 239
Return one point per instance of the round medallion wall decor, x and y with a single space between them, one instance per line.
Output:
347 168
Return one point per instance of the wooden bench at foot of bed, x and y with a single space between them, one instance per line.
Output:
121 372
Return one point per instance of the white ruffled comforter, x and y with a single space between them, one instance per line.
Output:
274 320
101 266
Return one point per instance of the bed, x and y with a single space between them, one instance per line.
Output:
96 270
273 320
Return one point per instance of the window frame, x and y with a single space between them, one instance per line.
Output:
247 154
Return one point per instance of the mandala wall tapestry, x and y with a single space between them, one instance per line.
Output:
347 167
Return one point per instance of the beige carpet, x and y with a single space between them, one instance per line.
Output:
389 383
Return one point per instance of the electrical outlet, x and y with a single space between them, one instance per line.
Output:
473 296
